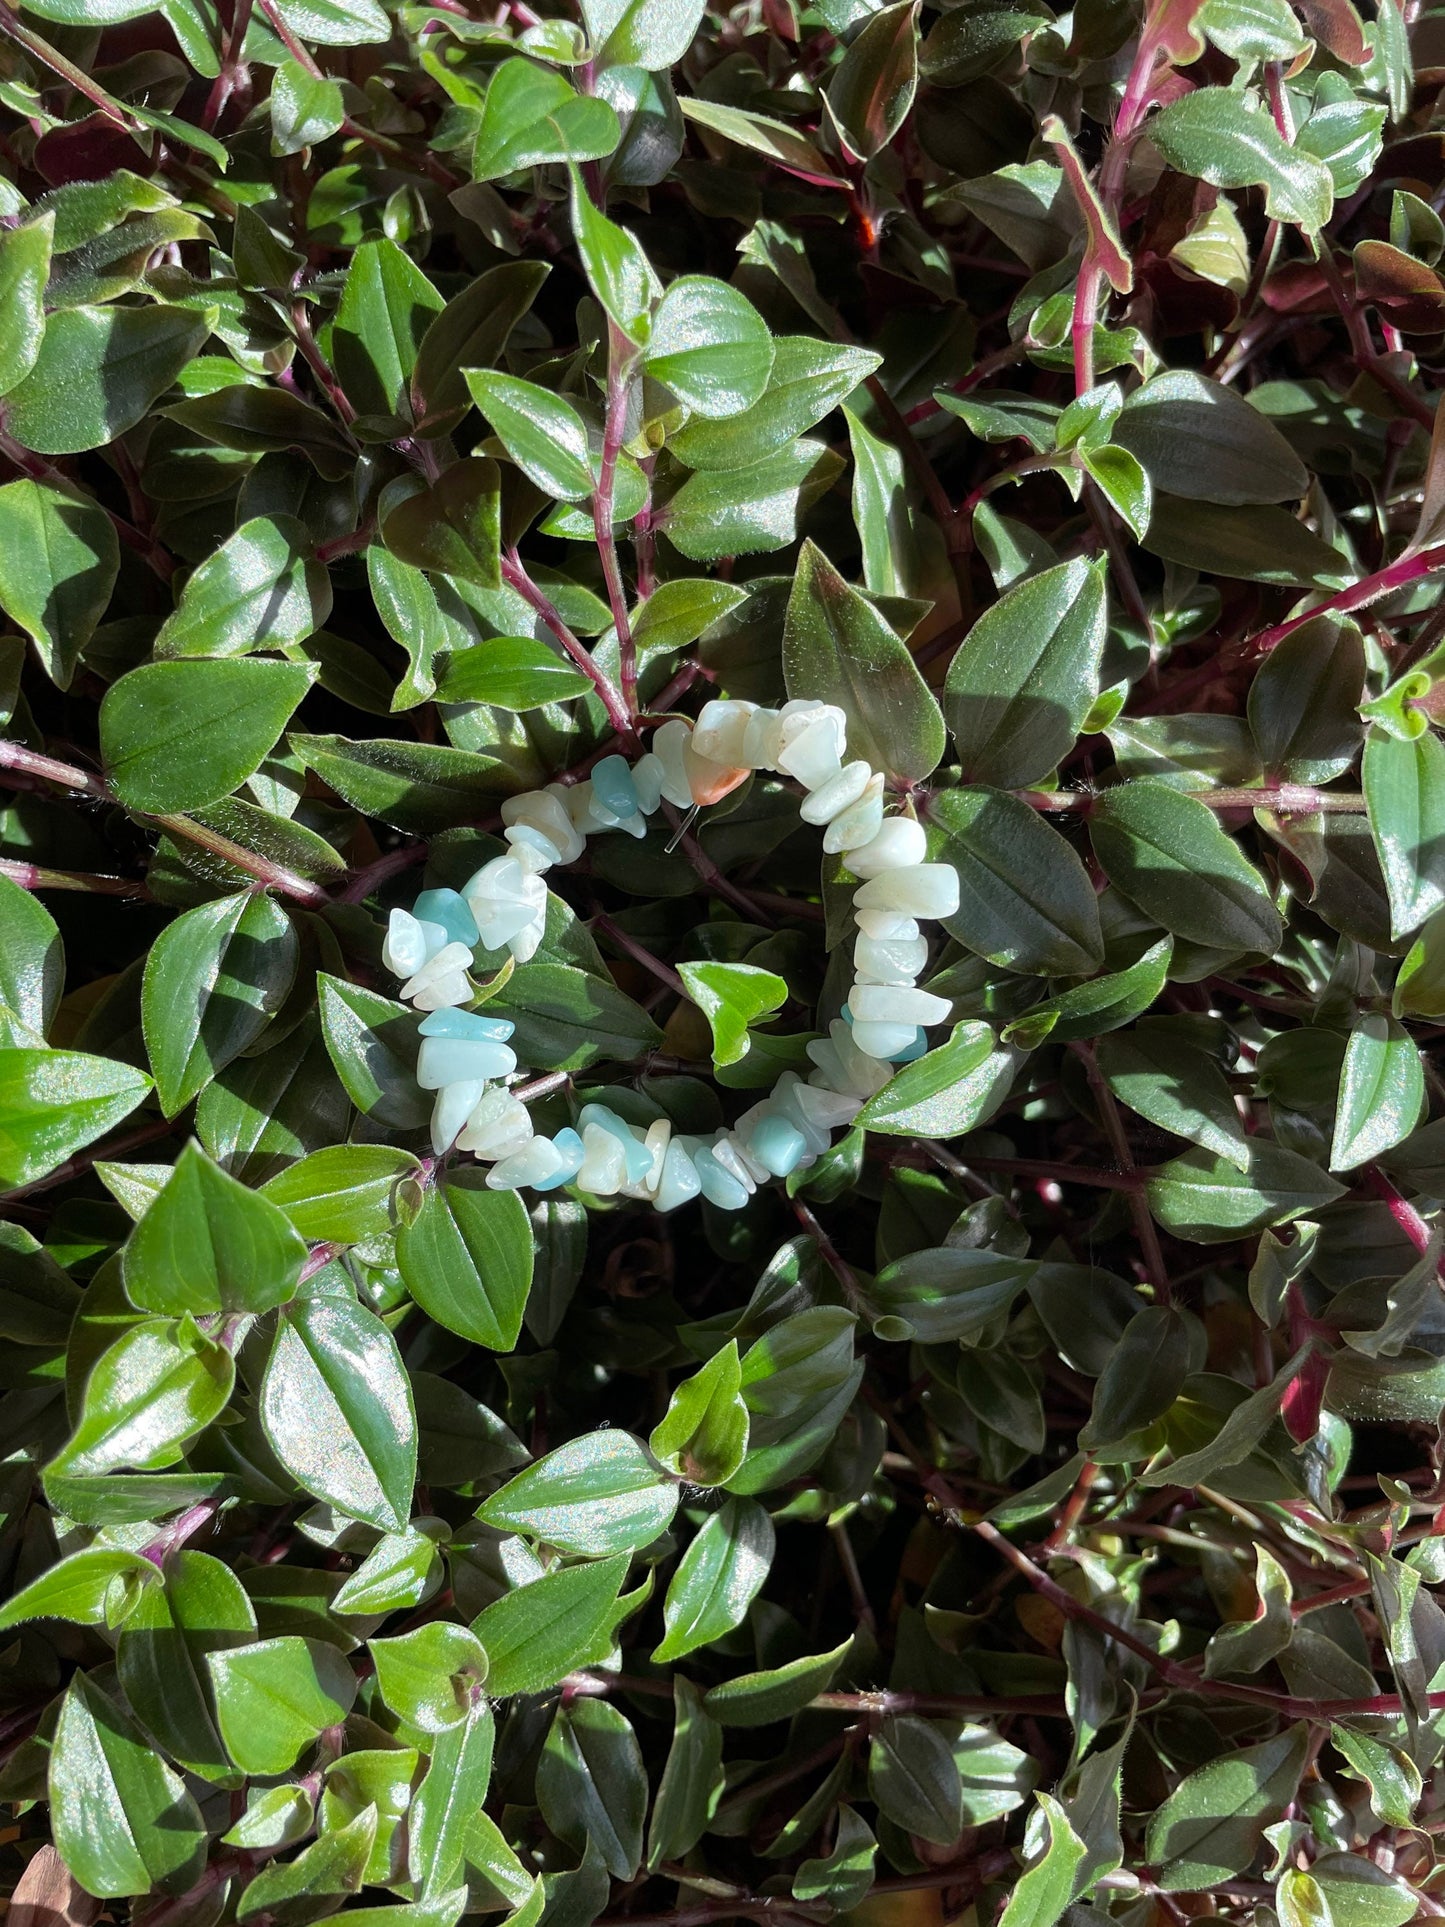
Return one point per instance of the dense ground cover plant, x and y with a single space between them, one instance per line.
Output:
1020 1500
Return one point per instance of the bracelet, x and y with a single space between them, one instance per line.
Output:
465 1056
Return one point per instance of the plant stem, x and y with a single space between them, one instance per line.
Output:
516 577
272 876
1407 1218
31 876
1145 1229
1371 588
619 382
1368 359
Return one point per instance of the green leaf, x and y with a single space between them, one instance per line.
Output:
1303 702
275 1695
454 525
123 1821
1208 1200
654 34
538 1633
1245 1646
343 1194
1157 1350
1404 786
945 1092
872 87
177 735
1025 899
451 1794
386 306
717 1578
1167 852
32 965
428 1676
1048 1884
758 1699
747 510
939 1296
532 115
261 589
543 434
808 380
732 997
1259 543
160 1383
1124 483
100 1587
692 1778
596 1495
837 648
1212 1825
373 1043
421 787
213 981
592 1786
1199 439
53 1102
336 23
1176 1086
843 1877
209 1245
618 270
914 1778
306 108
514 672
24 268
711 347
703 1435
97 373
761 134
567 1018
1382 1092
318 1880
471 332
59 559
1105 1003
1229 140
466 1259
1026 675
336 1405
161 1659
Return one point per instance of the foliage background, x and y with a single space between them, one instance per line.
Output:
1040 1515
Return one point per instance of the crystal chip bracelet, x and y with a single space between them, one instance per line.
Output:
466 1057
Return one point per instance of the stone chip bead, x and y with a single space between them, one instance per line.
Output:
925 890
839 793
463 1047
448 909
545 811
843 1067
442 979
900 844
772 1138
453 1107
896 1004
669 746
497 1125
859 823
410 943
889 960
543 1163
811 743
720 731
510 907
